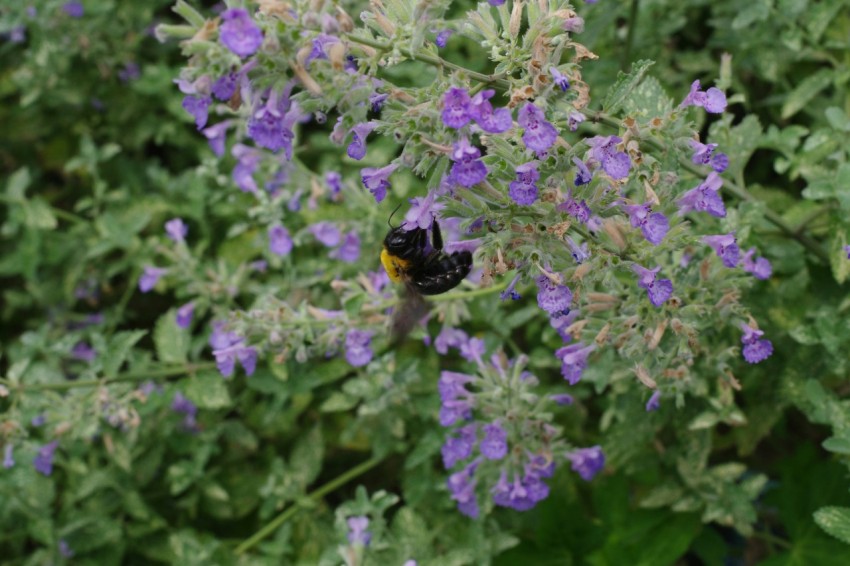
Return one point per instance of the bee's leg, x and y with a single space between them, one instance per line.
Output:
436 236
421 239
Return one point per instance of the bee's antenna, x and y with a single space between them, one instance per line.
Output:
389 220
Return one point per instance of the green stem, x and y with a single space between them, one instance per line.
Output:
773 539
61 213
630 38
338 481
129 376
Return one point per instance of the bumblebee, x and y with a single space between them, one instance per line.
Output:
407 259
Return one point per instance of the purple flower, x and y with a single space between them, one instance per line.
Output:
83 352
320 47
357 534
490 120
695 96
349 251
553 298
217 136
574 360
43 461
725 246
510 290
578 210
654 402
574 24
760 267
198 106
334 182
653 225
270 125
457 448
573 120
704 155
184 406
562 398
130 72
494 445
715 101
73 9
248 161
176 229
523 191
562 323
580 252
456 108
462 487
467 170
495 2
472 350
587 461
658 290
38 420
327 233
65 549
704 198
443 37
455 401
604 150
357 147
8 457
560 81
239 33
523 493
226 358
377 180
357 350
847 251
280 243
583 174
539 135
225 86
150 277
185 314
422 212
449 338
756 348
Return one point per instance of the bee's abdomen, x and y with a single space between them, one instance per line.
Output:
442 274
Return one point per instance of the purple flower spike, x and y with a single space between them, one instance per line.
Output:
658 290
539 135
523 191
574 360
8 457
587 461
43 461
357 534
176 229
494 121
270 125
653 225
357 350
422 212
456 108
725 246
458 448
760 267
239 33
756 349
467 170
494 445
704 198
443 37
357 147
583 174
280 243
185 314
150 277
553 298
654 402
377 180
560 80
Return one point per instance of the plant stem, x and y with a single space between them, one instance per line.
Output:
129 376
630 38
317 494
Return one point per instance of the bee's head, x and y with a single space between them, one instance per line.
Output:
402 243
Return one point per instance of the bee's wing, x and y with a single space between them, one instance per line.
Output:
409 311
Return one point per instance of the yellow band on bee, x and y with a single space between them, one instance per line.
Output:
393 265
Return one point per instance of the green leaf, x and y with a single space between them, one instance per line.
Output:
625 84
837 119
835 521
118 350
17 184
171 341
338 401
208 390
805 92
838 444
38 215
306 458
648 99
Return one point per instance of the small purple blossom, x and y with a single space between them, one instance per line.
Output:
560 80
725 246
523 191
217 136
456 108
449 338
443 37
658 290
422 212
184 406
176 229
539 135
573 120
357 350
150 277
65 549
756 349
574 24
713 100
704 155
38 420
510 290
704 197
760 267
239 33
270 125
494 121
654 402
198 106
326 233
377 180
459 447
467 169
847 250
604 150
579 252
334 182
248 159
225 86
494 445
320 46
83 352
587 462
574 360
228 348
653 225
73 9
359 133
523 493
462 487
553 298
495 2
43 461
472 350
562 399
8 457
349 251
357 534
185 314
455 401
578 210
583 174
280 243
